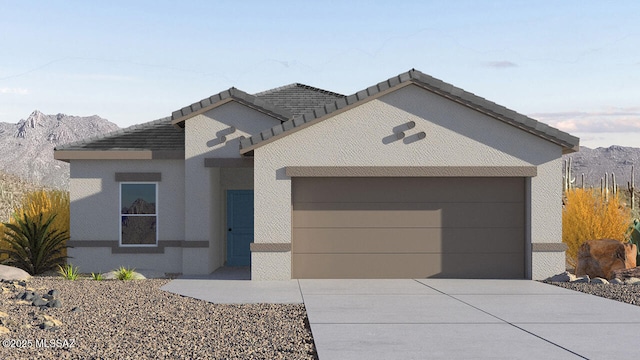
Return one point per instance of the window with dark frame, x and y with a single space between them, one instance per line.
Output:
138 214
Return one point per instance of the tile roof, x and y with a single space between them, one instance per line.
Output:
283 103
568 142
298 98
299 104
155 135
178 117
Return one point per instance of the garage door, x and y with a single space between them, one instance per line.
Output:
408 227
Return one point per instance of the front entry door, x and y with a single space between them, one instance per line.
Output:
239 227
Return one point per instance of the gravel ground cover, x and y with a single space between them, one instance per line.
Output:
625 293
136 320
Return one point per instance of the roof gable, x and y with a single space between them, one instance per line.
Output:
178 117
568 142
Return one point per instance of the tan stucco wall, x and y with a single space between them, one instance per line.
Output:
204 197
455 136
95 213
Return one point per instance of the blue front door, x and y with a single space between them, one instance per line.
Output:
239 227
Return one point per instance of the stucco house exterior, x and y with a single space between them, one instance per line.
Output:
408 178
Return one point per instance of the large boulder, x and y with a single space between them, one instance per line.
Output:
600 258
9 273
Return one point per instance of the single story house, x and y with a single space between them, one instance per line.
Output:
408 178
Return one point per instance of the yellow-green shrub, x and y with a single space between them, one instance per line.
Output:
47 202
586 216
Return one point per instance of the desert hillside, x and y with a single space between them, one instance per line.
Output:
27 146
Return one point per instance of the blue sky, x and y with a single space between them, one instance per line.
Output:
572 64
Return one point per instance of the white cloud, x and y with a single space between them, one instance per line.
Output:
504 64
19 91
607 121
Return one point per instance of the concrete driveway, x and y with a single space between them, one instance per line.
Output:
445 319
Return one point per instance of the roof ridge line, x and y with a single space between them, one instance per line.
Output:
301 85
179 116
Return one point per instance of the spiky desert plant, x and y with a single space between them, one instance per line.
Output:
68 272
124 273
588 216
97 276
33 245
47 202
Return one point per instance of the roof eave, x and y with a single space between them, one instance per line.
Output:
118 154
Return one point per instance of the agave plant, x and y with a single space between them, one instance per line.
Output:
633 236
32 245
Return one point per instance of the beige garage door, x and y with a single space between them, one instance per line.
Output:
408 227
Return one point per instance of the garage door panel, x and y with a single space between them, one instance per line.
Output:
402 266
345 215
408 227
356 190
407 240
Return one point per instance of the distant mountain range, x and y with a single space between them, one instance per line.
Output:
595 163
26 147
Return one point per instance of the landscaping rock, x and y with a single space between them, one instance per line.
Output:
564 277
600 258
54 293
627 273
616 281
599 280
55 321
151 274
9 273
582 279
39 302
632 281
76 310
111 275
54 304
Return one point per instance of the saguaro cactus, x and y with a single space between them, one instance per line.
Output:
632 189
567 179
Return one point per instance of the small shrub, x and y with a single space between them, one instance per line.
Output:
97 276
124 273
32 245
68 272
586 216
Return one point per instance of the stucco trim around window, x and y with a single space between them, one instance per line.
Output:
135 176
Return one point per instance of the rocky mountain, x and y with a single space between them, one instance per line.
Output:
26 148
594 163
139 206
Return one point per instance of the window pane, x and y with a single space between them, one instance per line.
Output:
139 230
138 199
